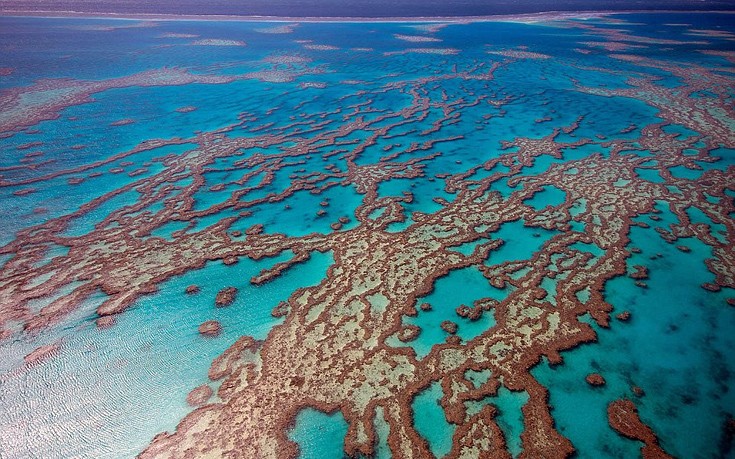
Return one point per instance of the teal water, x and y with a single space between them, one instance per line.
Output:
430 421
319 435
444 300
674 347
510 417
108 392
549 196
520 242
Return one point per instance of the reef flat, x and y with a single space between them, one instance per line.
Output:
442 239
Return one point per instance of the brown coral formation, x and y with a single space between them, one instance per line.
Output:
210 328
595 379
41 354
520 54
623 316
123 122
623 417
105 322
199 395
471 313
449 327
280 310
640 272
225 297
409 333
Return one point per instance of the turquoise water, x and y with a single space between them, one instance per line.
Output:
550 196
319 434
510 417
520 242
431 423
673 345
109 391
444 300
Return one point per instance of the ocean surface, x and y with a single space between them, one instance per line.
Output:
364 189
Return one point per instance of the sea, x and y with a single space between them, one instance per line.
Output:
104 125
